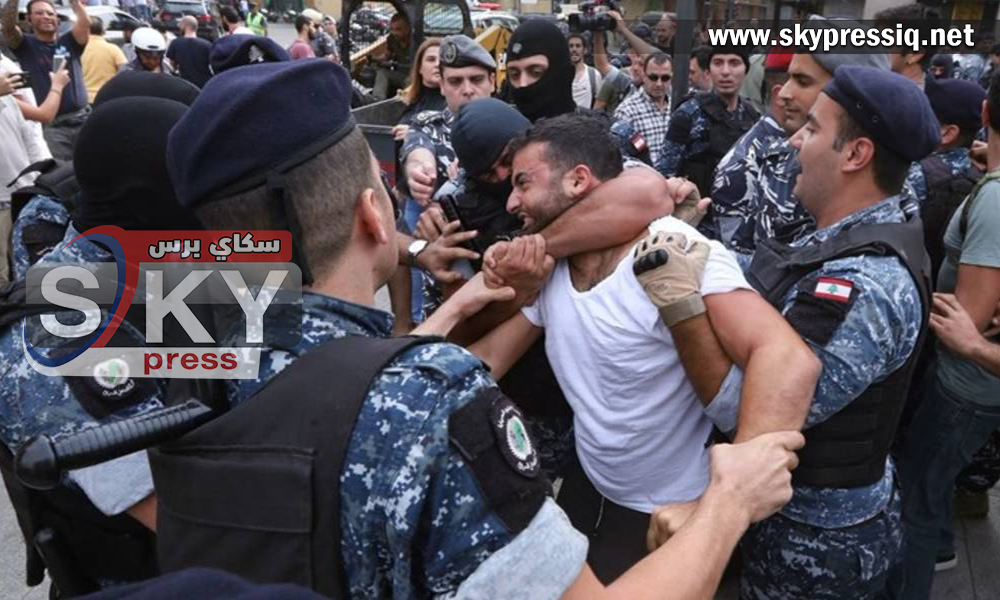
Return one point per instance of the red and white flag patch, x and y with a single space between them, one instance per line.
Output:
838 290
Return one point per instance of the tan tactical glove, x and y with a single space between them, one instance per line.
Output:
692 209
669 267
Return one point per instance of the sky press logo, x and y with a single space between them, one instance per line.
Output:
180 304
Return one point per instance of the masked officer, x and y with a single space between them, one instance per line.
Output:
703 129
123 181
467 73
541 75
437 490
862 273
942 180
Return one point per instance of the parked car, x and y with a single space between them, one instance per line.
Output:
114 22
172 11
485 19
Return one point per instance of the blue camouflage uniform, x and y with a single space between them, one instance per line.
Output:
33 404
971 67
41 212
431 130
958 162
414 521
690 125
752 190
839 543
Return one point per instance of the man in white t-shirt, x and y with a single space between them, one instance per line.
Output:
587 79
641 432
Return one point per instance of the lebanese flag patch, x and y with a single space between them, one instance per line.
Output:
837 290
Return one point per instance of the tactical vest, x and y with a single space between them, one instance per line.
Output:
256 491
723 133
945 192
63 532
57 181
849 449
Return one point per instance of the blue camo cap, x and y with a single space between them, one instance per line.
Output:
251 122
889 107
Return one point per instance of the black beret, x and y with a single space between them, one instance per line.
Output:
459 51
889 107
133 83
737 50
956 102
240 50
251 121
482 131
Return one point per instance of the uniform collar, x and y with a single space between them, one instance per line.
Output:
352 318
886 211
953 154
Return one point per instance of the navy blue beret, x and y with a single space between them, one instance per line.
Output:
459 51
889 107
252 121
956 102
239 50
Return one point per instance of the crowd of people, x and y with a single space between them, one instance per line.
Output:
758 317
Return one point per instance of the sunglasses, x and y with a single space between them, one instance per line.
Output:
655 78
396 210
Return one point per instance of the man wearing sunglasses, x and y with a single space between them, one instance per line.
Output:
648 109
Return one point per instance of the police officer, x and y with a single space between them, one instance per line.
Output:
123 181
704 128
467 73
741 165
540 76
439 491
863 272
942 180
767 207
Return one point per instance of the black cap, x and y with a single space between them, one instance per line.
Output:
482 131
134 83
239 50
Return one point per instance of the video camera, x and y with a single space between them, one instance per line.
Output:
593 16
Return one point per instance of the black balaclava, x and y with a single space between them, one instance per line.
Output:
552 95
121 166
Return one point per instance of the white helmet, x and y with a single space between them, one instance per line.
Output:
148 39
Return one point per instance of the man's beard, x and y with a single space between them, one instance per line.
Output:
558 204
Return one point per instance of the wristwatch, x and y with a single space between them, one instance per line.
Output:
414 250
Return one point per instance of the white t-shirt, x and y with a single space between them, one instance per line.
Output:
640 428
583 92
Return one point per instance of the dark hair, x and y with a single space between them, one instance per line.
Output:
657 58
993 103
302 21
324 191
703 54
995 49
714 50
916 16
573 140
399 17
889 170
577 35
96 26
771 79
229 15
27 9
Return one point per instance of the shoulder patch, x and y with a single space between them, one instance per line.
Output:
820 307
110 388
493 439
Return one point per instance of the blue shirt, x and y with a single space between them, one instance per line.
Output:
36 58
414 520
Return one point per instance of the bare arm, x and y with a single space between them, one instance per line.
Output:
779 369
505 345
978 291
8 25
957 331
81 29
145 512
601 62
705 363
749 483
47 111
638 44
614 213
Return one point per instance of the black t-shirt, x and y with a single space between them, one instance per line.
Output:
36 58
190 57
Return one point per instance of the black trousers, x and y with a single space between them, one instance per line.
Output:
617 534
